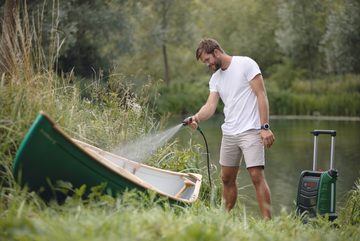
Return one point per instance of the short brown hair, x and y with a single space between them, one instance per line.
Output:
208 46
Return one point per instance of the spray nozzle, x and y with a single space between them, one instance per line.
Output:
187 121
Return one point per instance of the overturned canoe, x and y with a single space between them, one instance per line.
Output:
47 155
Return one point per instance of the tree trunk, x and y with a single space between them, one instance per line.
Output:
165 6
166 65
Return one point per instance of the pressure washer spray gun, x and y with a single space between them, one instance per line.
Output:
188 121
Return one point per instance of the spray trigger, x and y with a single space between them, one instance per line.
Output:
187 121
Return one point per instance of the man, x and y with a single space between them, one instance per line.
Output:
237 80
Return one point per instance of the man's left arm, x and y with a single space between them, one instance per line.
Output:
257 85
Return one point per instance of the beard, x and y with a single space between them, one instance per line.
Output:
217 65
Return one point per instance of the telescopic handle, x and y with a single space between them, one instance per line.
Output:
327 132
316 133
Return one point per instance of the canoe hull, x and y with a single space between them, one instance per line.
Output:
48 155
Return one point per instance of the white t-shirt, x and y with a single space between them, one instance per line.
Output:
240 103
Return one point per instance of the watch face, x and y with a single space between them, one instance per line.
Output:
266 126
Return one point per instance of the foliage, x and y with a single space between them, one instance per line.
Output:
182 97
286 74
83 29
161 37
328 96
300 32
340 42
351 210
293 42
98 31
242 28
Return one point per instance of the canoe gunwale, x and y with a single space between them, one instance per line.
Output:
138 165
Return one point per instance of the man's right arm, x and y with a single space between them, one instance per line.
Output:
207 110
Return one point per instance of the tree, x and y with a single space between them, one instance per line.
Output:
96 32
243 28
341 41
301 26
160 29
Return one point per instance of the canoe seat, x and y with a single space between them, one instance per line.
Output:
131 168
187 183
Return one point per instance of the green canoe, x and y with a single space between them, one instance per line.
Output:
47 155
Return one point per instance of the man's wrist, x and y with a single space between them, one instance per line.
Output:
196 118
265 126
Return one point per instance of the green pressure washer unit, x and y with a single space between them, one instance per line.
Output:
317 189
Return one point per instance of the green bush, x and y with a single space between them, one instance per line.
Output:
330 96
182 97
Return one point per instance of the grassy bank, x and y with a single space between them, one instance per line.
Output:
138 217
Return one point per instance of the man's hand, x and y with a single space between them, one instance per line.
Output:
267 138
194 122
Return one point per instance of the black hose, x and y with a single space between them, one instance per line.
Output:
207 156
186 122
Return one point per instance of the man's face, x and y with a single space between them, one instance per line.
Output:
213 62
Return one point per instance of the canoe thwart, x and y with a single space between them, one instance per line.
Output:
187 183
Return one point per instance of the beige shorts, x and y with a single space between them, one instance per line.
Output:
246 145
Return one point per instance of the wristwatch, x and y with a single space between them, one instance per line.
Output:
265 126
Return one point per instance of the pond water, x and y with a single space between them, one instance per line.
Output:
289 156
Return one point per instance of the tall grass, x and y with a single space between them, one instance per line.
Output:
135 216
104 114
350 213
